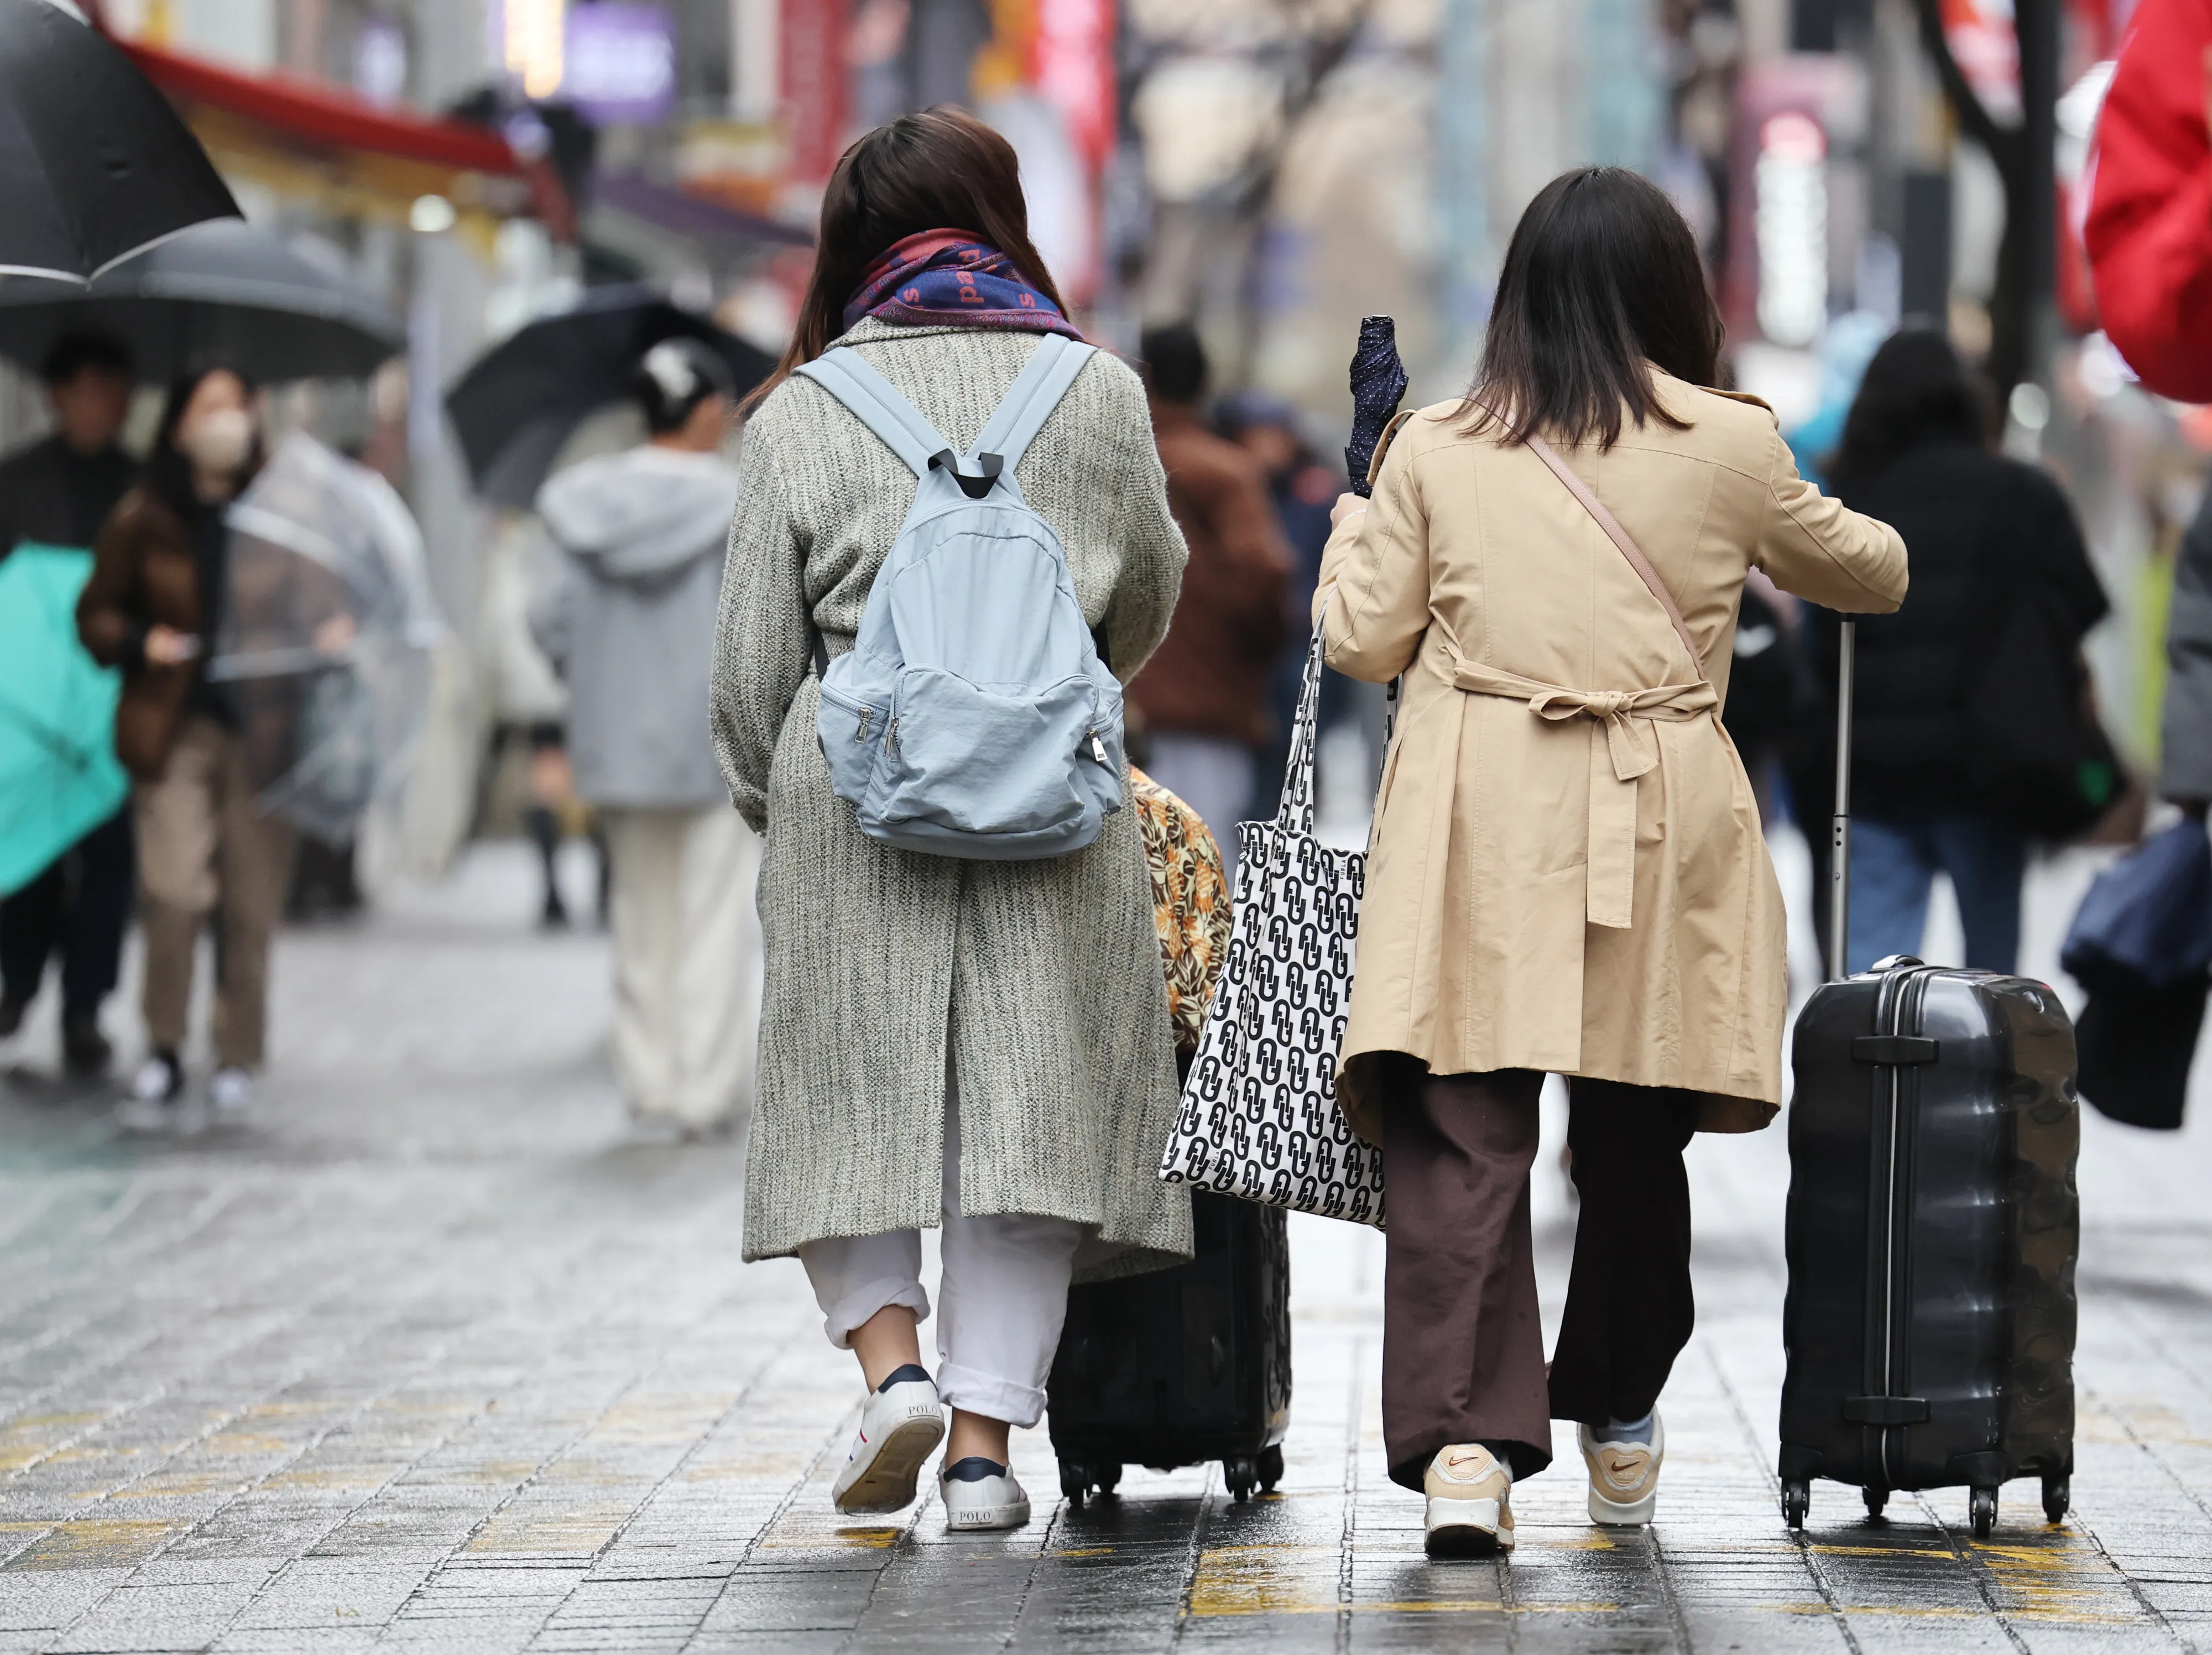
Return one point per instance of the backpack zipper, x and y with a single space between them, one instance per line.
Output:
890 735
867 719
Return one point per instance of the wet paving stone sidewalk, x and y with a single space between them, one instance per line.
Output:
437 1350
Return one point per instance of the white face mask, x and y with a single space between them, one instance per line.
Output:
218 441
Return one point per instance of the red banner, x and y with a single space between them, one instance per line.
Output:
811 50
1073 68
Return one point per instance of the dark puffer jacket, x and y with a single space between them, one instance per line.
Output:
1975 524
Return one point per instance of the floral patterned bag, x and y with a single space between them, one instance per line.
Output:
1190 903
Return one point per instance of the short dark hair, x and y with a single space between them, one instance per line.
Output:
1917 391
1602 277
1175 363
674 377
74 352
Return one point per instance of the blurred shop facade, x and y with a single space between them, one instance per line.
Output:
1287 165
1270 169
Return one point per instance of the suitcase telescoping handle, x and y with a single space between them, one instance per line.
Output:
1840 829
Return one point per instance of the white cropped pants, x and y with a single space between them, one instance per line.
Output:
1002 1295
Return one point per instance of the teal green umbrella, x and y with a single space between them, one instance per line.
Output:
59 777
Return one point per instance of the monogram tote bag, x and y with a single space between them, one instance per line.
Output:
1259 1118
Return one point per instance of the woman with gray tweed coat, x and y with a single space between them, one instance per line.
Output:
979 1045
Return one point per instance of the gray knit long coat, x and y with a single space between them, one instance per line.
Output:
1043 977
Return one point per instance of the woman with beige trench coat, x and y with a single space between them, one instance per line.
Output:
1567 872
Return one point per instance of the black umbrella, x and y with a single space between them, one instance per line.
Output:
1378 386
222 290
521 401
94 165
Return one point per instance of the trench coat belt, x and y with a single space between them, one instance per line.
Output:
1619 755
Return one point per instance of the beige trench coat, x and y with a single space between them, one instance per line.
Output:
1568 873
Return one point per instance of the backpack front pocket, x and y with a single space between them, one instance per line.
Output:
851 732
965 758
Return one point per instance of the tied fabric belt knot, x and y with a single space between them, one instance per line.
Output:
1619 754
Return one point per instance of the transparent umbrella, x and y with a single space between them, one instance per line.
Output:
326 637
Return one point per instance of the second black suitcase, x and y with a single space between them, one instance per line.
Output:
1932 1231
1182 1366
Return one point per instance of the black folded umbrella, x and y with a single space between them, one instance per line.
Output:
1378 386
94 165
224 289
518 405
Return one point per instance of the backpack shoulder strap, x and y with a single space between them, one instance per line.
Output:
848 376
1031 397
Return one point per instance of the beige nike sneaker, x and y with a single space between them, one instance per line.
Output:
1623 1476
1470 1503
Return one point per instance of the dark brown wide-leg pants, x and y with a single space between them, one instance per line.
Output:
1463 1341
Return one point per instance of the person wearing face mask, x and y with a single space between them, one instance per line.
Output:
153 606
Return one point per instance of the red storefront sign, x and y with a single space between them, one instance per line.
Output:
811 36
1073 68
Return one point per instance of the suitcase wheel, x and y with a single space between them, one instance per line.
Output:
2058 1496
1078 1480
1797 1501
1875 1500
1271 1468
1242 1473
1982 1512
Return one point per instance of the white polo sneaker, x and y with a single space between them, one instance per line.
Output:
980 1493
900 1427
1470 1503
1624 1477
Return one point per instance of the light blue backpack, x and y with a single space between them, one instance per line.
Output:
972 716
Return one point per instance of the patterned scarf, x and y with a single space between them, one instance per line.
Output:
941 275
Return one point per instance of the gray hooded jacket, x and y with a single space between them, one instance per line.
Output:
630 625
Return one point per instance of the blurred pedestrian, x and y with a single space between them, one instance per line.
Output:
630 627
2185 714
58 492
207 852
1772 700
983 1045
1987 533
1303 488
1568 873
1204 695
2149 229
528 703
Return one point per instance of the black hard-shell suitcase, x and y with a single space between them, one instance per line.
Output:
1932 1231
1181 1365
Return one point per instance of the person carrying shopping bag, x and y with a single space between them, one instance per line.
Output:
983 1045
1567 872
629 626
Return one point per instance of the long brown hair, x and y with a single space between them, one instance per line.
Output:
941 169
1603 277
